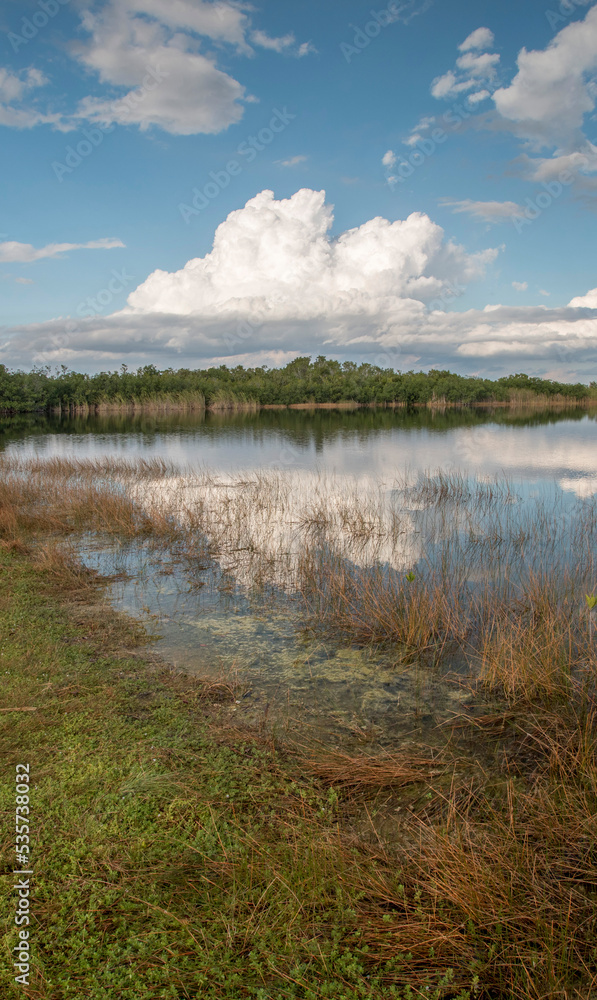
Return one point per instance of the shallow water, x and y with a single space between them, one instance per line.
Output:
288 678
216 624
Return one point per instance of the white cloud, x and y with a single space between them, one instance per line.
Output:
423 125
551 93
588 301
543 292
26 253
389 159
471 69
169 82
222 21
481 38
547 169
481 65
17 281
159 58
275 259
15 88
449 86
485 211
262 39
520 286
293 161
276 282
306 49
481 95
549 98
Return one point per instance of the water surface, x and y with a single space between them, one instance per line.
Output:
532 447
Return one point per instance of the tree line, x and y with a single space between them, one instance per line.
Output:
301 381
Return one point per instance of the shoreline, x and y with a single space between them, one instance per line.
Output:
157 406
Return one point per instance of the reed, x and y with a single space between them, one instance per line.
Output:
438 566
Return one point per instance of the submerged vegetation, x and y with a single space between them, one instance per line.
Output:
302 381
180 856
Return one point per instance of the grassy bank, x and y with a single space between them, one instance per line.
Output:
178 856
302 382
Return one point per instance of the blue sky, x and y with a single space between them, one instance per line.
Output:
456 146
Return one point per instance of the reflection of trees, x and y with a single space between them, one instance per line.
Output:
303 429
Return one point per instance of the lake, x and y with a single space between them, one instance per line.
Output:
532 448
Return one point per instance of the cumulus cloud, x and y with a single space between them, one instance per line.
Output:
472 68
168 82
588 301
520 286
545 105
277 283
485 211
552 91
549 98
26 253
481 38
276 259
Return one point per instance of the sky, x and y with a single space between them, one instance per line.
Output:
195 182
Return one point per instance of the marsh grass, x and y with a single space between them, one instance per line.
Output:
439 567
180 856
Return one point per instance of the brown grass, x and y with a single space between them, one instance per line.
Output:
373 607
374 771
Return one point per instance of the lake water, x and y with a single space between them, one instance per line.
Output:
532 448
218 625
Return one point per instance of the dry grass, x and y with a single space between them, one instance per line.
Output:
374 771
501 880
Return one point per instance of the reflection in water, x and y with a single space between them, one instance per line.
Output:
534 446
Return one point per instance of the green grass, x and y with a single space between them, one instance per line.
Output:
179 856
172 857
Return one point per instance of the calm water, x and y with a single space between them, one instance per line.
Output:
289 677
535 448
